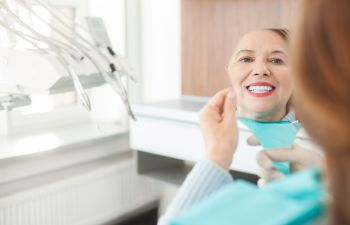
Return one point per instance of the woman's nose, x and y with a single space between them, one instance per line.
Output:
260 68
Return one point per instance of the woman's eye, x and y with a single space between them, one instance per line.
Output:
277 61
246 59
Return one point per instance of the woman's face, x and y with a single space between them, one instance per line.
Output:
259 72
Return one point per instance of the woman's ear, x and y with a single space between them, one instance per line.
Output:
227 68
230 77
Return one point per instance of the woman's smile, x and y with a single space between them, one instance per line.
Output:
260 89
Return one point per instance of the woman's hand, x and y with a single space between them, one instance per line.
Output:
219 128
299 158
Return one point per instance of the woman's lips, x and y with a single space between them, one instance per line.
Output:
260 89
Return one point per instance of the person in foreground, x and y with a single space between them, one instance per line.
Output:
321 70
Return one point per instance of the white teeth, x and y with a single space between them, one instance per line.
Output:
259 89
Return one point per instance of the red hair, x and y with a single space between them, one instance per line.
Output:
321 65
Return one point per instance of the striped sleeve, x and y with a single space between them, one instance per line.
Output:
205 178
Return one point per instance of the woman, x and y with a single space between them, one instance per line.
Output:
321 64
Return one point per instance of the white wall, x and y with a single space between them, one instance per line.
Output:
161 45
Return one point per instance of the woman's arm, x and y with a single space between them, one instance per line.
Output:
219 129
205 179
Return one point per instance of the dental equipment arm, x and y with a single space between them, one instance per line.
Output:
115 83
65 64
78 51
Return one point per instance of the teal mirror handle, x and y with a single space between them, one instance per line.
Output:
276 134
283 167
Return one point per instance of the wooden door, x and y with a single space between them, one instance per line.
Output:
210 31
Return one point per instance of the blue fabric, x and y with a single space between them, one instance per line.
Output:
291 201
278 134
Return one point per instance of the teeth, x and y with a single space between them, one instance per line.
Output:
259 89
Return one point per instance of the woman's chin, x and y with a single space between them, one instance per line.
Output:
259 112
261 109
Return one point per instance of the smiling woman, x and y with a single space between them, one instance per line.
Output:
259 73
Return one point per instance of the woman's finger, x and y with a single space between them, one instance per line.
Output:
269 175
264 161
217 101
267 171
261 183
230 107
283 155
253 141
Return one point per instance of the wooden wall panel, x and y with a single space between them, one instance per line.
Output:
210 31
